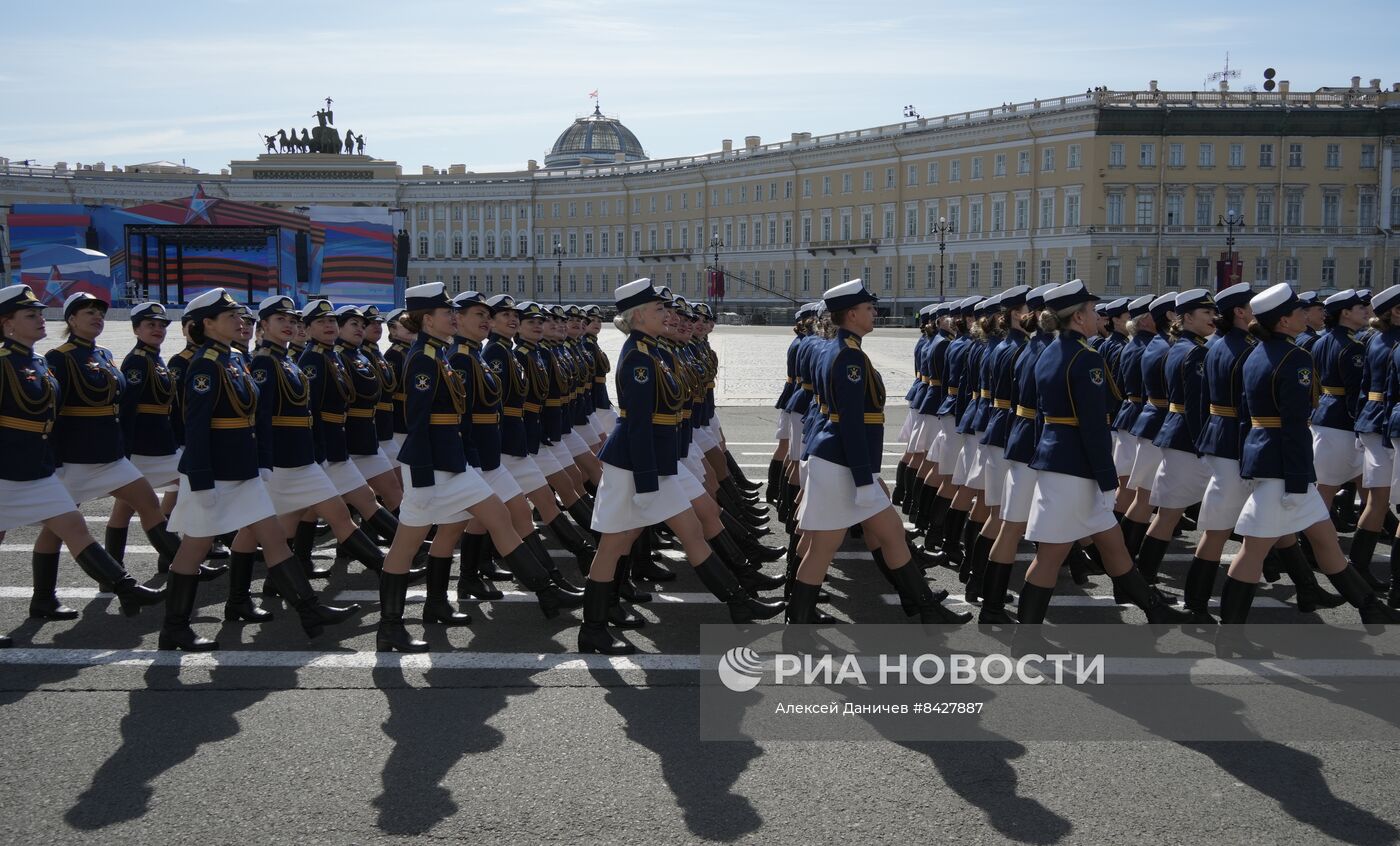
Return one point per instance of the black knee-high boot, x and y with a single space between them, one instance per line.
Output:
240 606
996 579
391 635
1362 552
971 530
175 632
114 541
1200 585
901 482
103 569
1133 533
296 589
530 573
303 542
1311 595
913 590
1350 584
437 608
1134 587
535 544
594 635
743 608
1236 597
981 547
470 582
43 603
574 541
626 588
775 469
1035 601
952 531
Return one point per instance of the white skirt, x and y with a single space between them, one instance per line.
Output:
689 472
977 468
961 451
783 429
1020 492
25 503
1264 516
87 482
1065 509
1124 451
390 449
615 510
502 483
1336 456
545 460
1377 461
924 429
1180 480
295 489
705 439
445 501
939 449
344 475
1145 464
607 419
993 475
829 501
1224 497
575 444
561 454
906 431
227 507
162 471
372 465
525 471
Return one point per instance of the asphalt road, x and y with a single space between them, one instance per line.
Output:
501 735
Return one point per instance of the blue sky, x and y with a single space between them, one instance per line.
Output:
491 85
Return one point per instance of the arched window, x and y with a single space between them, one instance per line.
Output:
440 245
505 244
475 246
525 244
423 245
457 245
490 244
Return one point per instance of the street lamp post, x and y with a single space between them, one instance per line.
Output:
942 228
1228 222
558 272
715 297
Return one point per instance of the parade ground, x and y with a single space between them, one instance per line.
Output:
502 735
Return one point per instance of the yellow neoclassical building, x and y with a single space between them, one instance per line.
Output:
1126 190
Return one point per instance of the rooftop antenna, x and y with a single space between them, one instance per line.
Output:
1221 75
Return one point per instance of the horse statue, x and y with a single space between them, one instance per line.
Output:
284 144
305 143
349 141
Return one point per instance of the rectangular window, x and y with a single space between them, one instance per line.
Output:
1290 271
1366 210
806 188
1023 161
1044 272
1176 155
1261 272
1023 213
928 278
1334 155
1368 155
952 276
1113 273
1142 273
1047 160
889 223
1020 273
974 274
869 184
826 278
999 165
1295 155
787 231
1363 273
1115 209
1329 273
1236 155
806 279
1173 279
1072 210
1047 212
1175 203
845 183
909 277
998 215
1202 272
976 167
787 190
1071 270
1331 209
1205 209
1266 155
1147 155
1293 209
1264 209
1115 155
889 278
933 173
996 274
787 279
1073 157
772 232
826 186
974 216
911 175
1206 156
955 170
889 177
1144 210
911 223
955 218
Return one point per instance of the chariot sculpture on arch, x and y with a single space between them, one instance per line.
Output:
323 138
